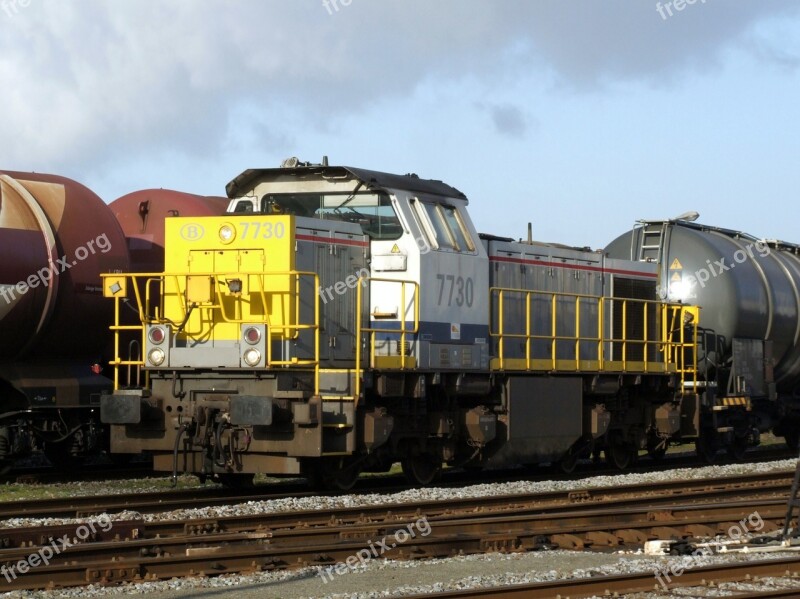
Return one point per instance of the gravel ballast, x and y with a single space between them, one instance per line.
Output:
388 578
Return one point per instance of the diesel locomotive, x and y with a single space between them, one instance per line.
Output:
338 320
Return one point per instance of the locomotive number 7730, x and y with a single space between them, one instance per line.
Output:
463 290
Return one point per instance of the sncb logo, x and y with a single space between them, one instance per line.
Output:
192 232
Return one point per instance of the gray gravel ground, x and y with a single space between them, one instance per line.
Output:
380 578
290 504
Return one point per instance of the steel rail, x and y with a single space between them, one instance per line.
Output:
159 502
616 586
266 549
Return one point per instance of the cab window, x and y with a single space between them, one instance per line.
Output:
243 207
443 237
373 211
458 229
443 225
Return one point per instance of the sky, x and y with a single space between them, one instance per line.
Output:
580 116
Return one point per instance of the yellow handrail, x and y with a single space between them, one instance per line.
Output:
404 331
613 351
283 331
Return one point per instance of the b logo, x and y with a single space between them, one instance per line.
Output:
192 232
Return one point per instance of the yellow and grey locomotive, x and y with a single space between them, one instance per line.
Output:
338 320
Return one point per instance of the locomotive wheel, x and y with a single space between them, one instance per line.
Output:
58 455
335 476
344 480
738 448
620 455
422 470
656 450
707 447
568 462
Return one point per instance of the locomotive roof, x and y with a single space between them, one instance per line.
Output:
372 179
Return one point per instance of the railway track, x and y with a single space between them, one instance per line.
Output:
134 551
164 501
617 586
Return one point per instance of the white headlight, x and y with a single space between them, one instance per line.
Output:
252 357
227 233
156 356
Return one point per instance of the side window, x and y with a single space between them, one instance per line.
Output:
458 229
444 237
243 207
422 221
443 227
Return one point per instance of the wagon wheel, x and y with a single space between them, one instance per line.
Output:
707 446
422 470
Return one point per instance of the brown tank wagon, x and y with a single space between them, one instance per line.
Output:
142 214
56 239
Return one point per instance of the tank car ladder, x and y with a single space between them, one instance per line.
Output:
794 502
651 240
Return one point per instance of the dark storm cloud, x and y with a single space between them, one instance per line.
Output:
95 80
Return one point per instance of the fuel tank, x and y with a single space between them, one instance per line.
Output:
141 215
747 288
56 237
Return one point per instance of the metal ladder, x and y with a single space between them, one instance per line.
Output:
794 502
650 248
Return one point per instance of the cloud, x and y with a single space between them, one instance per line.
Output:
508 120
95 81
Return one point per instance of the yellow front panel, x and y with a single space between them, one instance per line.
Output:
222 266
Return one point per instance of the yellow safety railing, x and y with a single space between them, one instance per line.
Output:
118 329
404 331
149 314
608 334
683 348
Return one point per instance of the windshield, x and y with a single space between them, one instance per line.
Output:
373 211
